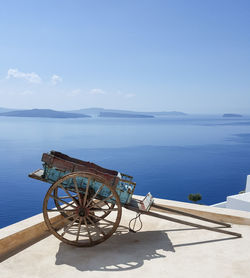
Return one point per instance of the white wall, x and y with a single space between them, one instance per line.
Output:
248 184
240 201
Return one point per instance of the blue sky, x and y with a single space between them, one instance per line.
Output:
191 56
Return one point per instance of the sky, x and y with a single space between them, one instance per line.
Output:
146 55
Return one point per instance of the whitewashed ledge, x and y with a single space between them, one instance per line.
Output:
16 237
29 241
21 225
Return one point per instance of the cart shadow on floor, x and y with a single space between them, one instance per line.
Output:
123 251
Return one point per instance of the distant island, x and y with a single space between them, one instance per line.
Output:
42 113
95 112
3 110
230 115
123 115
169 113
86 112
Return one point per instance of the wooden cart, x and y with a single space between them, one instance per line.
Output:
83 206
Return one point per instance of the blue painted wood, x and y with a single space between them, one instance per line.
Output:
124 189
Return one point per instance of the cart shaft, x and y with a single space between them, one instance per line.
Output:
135 205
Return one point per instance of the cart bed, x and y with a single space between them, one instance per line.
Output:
56 165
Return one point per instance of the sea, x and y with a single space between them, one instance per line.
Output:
170 157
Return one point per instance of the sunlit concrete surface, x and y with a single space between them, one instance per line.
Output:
160 249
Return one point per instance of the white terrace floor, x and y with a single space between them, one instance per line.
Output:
161 249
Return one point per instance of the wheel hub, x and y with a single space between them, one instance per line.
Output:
82 212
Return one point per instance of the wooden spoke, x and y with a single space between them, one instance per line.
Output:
60 210
66 191
102 201
58 199
70 225
63 219
97 227
86 192
100 206
79 228
77 191
99 190
66 197
106 211
68 205
60 206
108 204
64 207
100 218
87 228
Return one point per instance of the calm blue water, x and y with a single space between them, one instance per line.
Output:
170 157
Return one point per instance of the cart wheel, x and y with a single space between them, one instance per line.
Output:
88 218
